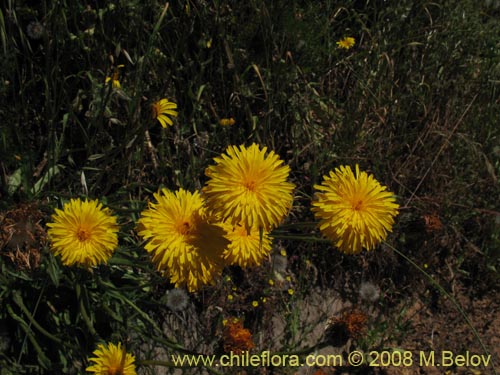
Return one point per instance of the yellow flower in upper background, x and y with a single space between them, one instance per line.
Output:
246 249
355 211
227 121
112 359
83 233
346 43
184 245
248 187
161 111
115 78
115 81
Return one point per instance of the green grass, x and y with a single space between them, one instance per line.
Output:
415 102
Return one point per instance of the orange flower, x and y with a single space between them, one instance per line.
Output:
236 338
432 222
352 323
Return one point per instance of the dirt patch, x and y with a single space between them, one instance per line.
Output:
443 328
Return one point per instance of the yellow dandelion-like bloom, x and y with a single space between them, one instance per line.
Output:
246 249
83 233
161 111
255 303
346 43
115 81
355 211
248 187
112 359
185 247
227 121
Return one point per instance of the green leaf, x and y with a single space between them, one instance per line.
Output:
14 181
45 179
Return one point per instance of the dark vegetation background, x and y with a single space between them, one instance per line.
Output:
415 102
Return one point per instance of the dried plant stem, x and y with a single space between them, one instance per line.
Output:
151 149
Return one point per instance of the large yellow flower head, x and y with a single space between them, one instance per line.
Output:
246 248
355 211
162 109
83 233
248 187
184 245
112 359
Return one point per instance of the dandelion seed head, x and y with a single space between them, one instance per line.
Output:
177 299
369 292
35 30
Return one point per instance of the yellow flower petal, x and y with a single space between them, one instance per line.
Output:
112 359
355 211
83 233
184 245
246 249
162 109
248 186
346 43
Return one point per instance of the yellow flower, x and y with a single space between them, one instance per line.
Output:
112 360
355 211
115 78
248 187
83 233
162 109
255 303
227 121
346 43
184 245
291 291
246 249
115 81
